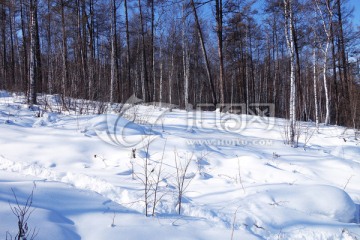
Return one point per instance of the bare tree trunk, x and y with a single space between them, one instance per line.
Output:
185 59
145 87
153 48
171 77
138 78
79 74
343 63
276 59
33 6
92 53
19 70
38 54
327 30
65 51
315 92
83 47
49 48
131 87
24 44
4 45
219 29
113 50
161 76
289 31
12 36
336 95
327 101
204 53
246 72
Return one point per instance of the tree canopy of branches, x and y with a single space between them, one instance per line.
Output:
301 55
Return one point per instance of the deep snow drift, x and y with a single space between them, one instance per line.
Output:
243 182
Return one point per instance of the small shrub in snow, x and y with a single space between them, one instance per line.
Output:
300 130
23 213
150 175
182 180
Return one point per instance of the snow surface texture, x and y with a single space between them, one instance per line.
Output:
244 183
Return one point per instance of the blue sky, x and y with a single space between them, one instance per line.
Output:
356 5
259 5
351 3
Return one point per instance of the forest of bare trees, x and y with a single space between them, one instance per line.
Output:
301 55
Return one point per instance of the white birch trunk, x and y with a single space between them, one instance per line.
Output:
315 93
289 25
327 27
33 5
292 97
327 100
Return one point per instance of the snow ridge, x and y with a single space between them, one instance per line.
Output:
79 181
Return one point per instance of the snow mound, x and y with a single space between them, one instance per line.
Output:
78 180
295 205
317 200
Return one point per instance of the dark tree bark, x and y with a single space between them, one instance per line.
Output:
4 66
343 69
33 38
49 47
91 87
39 75
64 51
335 82
145 82
12 45
113 50
219 32
153 49
131 87
24 45
207 64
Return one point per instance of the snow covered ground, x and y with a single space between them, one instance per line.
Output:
243 182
